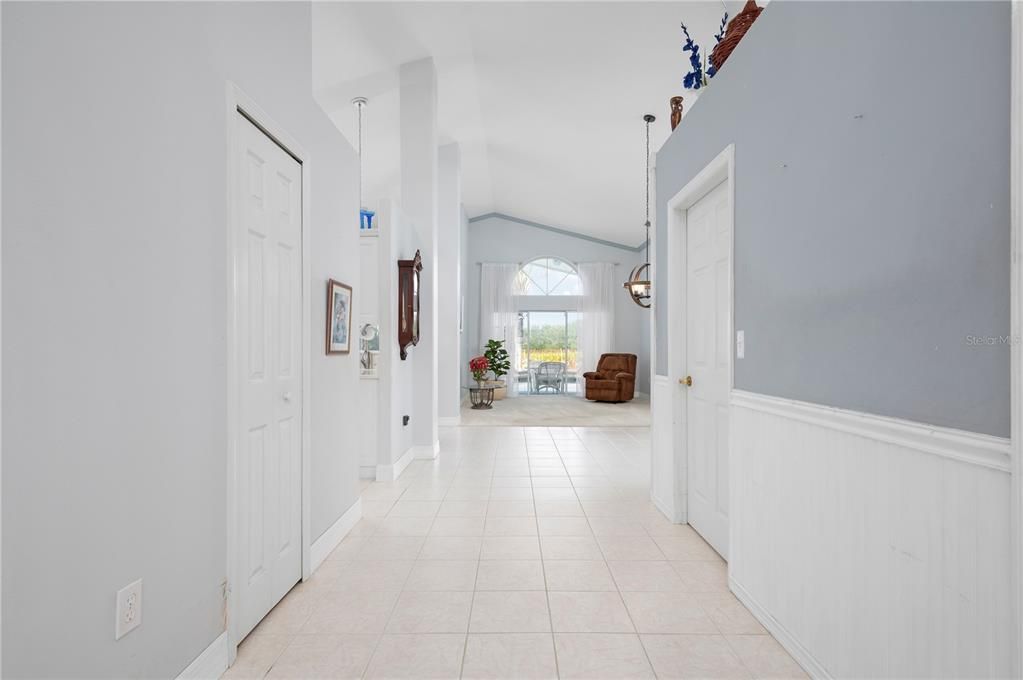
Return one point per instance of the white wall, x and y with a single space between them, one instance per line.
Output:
399 241
114 303
464 268
496 239
419 173
449 288
371 302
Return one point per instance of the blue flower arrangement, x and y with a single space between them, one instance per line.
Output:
695 79
711 69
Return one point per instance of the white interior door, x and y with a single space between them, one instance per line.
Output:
269 312
708 353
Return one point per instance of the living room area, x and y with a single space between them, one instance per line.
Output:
549 338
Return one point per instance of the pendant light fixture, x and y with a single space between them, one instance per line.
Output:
365 215
639 285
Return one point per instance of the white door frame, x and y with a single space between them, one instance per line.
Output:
1016 324
239 102
721 169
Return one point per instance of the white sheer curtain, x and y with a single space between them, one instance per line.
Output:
499 317
596 315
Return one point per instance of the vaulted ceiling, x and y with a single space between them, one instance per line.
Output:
545 99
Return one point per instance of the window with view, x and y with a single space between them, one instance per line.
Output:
548 276
547 337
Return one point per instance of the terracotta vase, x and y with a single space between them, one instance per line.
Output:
676 112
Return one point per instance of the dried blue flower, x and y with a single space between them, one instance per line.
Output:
711 69
721 29
694 79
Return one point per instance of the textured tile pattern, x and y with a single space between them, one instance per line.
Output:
520 552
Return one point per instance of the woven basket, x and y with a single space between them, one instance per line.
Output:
734 32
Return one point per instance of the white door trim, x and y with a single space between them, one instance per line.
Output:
721 169
1016 323
238 102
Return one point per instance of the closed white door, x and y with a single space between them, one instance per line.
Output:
708 353
269 313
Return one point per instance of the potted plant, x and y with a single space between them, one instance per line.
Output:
481 396
499 363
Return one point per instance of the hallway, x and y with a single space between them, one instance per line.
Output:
518 553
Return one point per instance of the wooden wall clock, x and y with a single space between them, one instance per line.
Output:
408 303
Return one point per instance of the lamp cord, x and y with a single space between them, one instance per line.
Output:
359 106
648 192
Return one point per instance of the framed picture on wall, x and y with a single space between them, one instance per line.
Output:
339 317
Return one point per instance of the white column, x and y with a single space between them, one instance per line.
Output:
449 285
418 130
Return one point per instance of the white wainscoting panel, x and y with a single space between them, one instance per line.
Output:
872 547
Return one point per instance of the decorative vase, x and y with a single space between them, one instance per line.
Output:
500 390
481 397
676 112
735 32
366 220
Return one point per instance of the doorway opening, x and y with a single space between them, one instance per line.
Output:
548 345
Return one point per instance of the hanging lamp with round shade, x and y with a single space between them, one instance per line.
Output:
639 284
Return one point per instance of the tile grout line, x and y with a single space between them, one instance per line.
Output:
543 563
401 590
618 588
479 559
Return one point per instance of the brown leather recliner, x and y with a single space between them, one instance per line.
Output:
614 380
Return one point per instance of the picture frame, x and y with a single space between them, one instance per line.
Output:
339 317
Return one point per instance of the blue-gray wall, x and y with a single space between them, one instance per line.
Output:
872 206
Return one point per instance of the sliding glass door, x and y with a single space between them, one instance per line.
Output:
548 347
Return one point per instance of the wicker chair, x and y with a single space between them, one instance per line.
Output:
550 375
614 380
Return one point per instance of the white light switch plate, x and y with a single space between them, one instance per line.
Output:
129 609
740 344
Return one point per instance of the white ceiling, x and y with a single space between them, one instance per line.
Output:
546 100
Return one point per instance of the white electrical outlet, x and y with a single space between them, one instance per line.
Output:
129 609
740 344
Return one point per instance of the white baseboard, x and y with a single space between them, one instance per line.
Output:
389 473
803 657
665 510
209 665
368 472
427 452
325 544
449 421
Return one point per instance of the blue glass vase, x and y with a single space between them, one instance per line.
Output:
366 219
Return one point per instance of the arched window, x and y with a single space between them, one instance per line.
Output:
548 276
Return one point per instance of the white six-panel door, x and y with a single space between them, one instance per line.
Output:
708 356
269 312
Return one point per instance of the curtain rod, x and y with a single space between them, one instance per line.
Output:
617 264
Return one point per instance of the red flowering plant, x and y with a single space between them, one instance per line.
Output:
479 367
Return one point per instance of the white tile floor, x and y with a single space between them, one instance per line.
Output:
519 553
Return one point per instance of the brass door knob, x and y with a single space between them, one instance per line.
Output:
687 381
